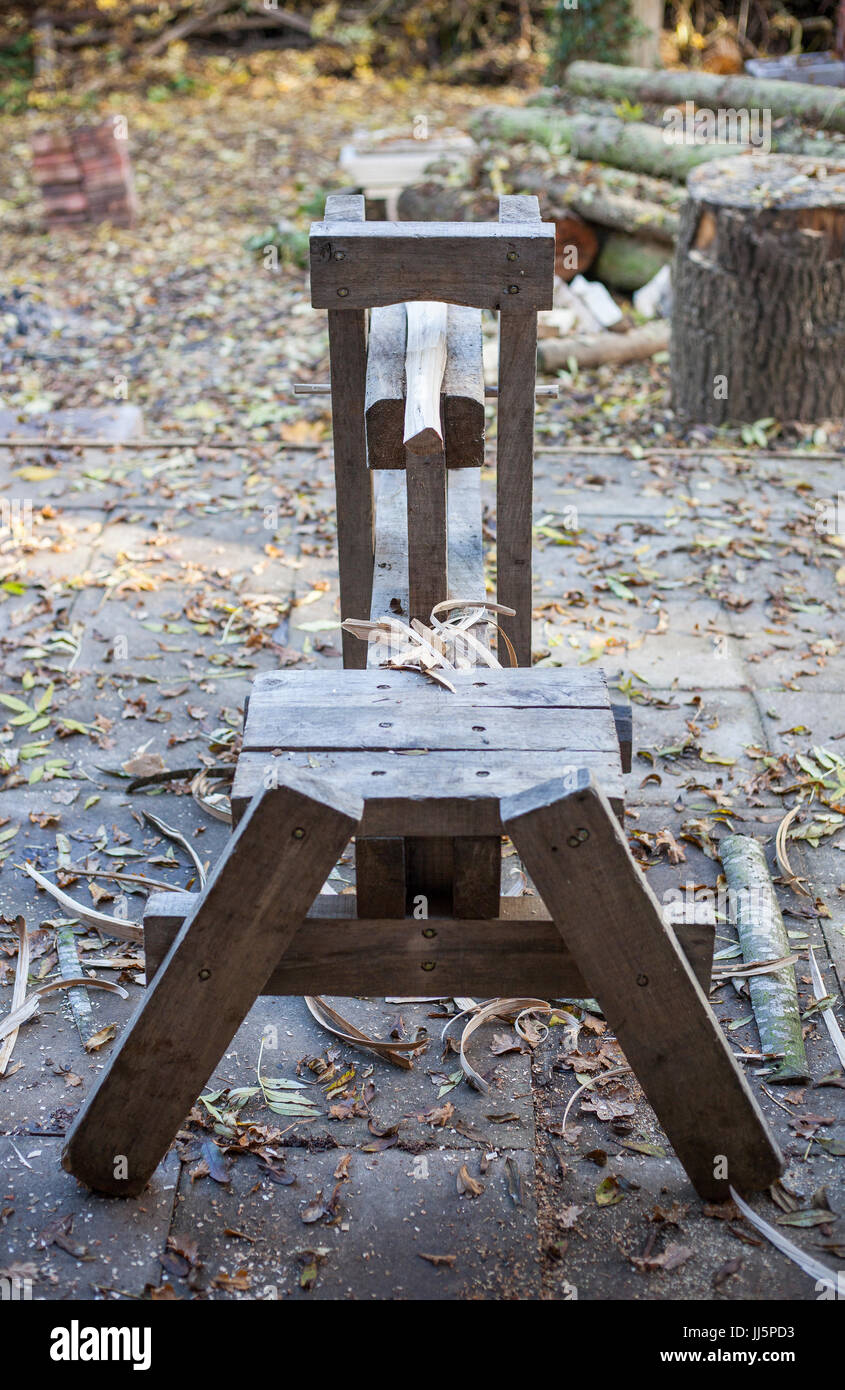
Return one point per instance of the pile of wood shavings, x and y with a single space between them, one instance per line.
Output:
447 644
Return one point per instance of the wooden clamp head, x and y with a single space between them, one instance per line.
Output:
506 265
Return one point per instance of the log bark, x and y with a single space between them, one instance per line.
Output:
758 323
762 935
596 349
629 262
819 106
623 144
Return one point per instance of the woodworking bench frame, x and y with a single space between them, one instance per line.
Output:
323 759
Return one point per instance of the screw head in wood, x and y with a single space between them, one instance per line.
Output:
299 833
513 289
428 964
513 255
205 974
642 980
583 834
343 292
340 255
429 932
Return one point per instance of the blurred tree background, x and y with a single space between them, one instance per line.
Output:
66 48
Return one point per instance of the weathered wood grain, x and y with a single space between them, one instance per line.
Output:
380 876
579 859
416 793
567 687
485 265
348 362
519 950
462 396
515 453
257 896
425 363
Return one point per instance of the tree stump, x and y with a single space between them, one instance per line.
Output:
758 323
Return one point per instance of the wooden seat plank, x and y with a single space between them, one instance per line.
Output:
418 793
271 724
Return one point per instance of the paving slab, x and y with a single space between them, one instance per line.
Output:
395 1208
78 1245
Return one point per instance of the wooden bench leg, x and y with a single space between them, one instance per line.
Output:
260 890
578 857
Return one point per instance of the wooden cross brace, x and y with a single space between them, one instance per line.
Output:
238 933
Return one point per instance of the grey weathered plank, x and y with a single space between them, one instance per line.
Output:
573 687
463 390
257 896
519 950
385 397
580 861
348 360
415 724
425 793
462 399
468 263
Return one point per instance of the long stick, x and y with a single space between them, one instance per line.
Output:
762 935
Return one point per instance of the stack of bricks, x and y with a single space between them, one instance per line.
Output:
85 176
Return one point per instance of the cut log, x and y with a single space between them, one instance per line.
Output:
611 140
762 935
576 244
595 349
425 363
823 106
629 262
609 197
758 322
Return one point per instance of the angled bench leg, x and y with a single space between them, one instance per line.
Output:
260 890
574 850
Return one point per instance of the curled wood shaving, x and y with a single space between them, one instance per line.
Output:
18 992
810 1265
112 926
212 799
12 1022
171 833
391 1051
447 644
514 1009
797 884
588 1086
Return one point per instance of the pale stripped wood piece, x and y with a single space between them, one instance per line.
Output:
425 363
579 859
257 896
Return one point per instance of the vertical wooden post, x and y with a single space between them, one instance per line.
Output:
428 584
353 483
515 448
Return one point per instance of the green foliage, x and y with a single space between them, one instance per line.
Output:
16 72
599 30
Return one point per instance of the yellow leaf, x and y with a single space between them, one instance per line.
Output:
35 473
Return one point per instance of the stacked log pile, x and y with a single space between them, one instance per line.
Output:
84 175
